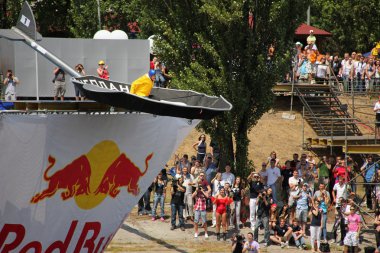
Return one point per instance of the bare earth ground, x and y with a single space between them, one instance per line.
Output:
140 234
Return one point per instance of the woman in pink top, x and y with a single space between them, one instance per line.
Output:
354 225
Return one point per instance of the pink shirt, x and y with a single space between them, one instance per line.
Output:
353 222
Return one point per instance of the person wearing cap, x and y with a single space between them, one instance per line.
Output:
311 38
376 109
303 200
103 70
143 85
255 188
263 206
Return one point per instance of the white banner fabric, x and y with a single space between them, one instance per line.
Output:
69 181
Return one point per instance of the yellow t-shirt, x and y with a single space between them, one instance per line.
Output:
142 86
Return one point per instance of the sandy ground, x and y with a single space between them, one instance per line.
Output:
140 234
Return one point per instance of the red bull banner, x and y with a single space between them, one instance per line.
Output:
69 181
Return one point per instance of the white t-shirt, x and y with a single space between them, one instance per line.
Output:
377 106
215 188
359 67
273 174
11 84
294 181
341 192
186 180
321 71
228 177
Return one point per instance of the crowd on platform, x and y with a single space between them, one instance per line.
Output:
357 72
289 200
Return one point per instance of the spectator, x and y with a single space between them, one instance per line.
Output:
188 182
311 38
244 210
227 188
153 63
282 233
263 206
255 188
200 147
376 109
143 85
340 221
354 226
369 73
250 245
298 235
294 190
263 174
184 162
103 70
274 177
284 212
303 200
78 93
273 216
237 193
178 193
10 81
323 172
59 84
294 163
304 66
370 170
339 191
228 176
160 79
358 73
322 71
197 169
273 155
336 66
237 243
340 170
144 203
210 169
216 185
215 151
315 226
286 173
323 197
200 196
159 186
221 200
346 70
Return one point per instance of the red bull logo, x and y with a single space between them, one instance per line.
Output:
90 178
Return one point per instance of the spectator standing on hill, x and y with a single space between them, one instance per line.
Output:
228 176
59 84
216 183
188 182
358 73
370 170
315 226
10 81
200 196
263 206
215 151
210 169
369 73
339 191
303 201
263 174
273 155
323 197
346 70
178 193
159 186
78 94
237 193
354 226
197 169
287 173
143 85
274 176
200 146
103 70
255 188
323 171
221 200
144 203
295 183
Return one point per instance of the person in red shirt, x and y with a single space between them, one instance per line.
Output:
103 70
221 200
340 170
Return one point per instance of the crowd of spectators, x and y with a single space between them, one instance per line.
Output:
355 71
290 200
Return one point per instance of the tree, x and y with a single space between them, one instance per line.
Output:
353 23
210 47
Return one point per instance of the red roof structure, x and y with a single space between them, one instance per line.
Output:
304 29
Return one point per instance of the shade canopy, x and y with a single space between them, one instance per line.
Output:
304 29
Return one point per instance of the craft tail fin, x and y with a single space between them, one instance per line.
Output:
26 22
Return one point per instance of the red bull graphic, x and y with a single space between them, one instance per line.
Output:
89 179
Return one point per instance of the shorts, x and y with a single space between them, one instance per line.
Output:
202 214
351 239
59 88
301 215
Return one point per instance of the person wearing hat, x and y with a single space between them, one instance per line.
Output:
143 85
303 200
376 109
255 188
103 70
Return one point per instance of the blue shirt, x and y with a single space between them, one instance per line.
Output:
303 201
371 170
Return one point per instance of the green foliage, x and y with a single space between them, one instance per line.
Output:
353 23
231 59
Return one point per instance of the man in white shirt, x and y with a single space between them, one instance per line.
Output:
188 182
345 71
358 73
377 110
274 175
339 191
228 176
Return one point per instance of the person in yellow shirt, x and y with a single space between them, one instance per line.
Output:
144 84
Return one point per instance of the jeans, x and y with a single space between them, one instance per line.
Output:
274 192
265 222
315 234
236 213
158 198
252 212
324 226
300 241
144 203
177 209
189 205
